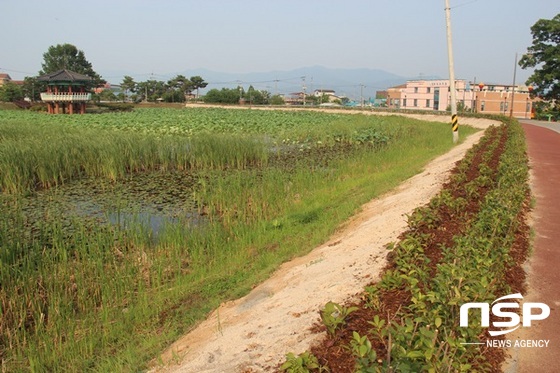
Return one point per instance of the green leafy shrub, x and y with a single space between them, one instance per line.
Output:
303 363
334 316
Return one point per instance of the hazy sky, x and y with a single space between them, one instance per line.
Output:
404 37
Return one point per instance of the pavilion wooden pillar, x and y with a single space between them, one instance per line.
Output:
71 103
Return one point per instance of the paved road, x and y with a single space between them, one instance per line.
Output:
543 147
555 126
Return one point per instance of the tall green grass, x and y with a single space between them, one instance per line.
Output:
37 155
100 298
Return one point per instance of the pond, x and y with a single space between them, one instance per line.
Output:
148 202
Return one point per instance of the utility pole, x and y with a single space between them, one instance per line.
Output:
513 86
362 95
303 88
454 119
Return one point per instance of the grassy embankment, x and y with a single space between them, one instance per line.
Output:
79 296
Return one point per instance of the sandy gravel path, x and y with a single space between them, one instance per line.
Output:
253 334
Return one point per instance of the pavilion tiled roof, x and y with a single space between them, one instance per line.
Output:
64 76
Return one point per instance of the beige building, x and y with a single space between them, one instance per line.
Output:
4 78
498 99
328 93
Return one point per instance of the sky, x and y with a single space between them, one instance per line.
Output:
165 37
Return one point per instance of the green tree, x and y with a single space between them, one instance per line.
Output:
151 90
67 56
173 96
182 85
32 88
104 96
128 85
277 100
544 55
197 83
10 92
256 97
224 96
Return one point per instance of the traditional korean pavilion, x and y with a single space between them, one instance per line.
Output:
66 92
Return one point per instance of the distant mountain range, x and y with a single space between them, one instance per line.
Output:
352 83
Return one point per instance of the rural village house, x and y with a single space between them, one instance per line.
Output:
5 79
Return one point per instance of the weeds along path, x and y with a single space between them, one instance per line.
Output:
254 333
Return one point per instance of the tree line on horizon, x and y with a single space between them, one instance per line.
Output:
69 57
177 89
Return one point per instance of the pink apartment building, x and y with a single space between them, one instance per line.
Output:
435 95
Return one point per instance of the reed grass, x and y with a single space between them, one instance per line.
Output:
34 155
100 298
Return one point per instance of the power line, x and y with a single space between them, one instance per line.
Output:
463 4
16 71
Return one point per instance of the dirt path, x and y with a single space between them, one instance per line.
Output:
543 147
253 334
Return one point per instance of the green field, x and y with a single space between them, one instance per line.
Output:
119 231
